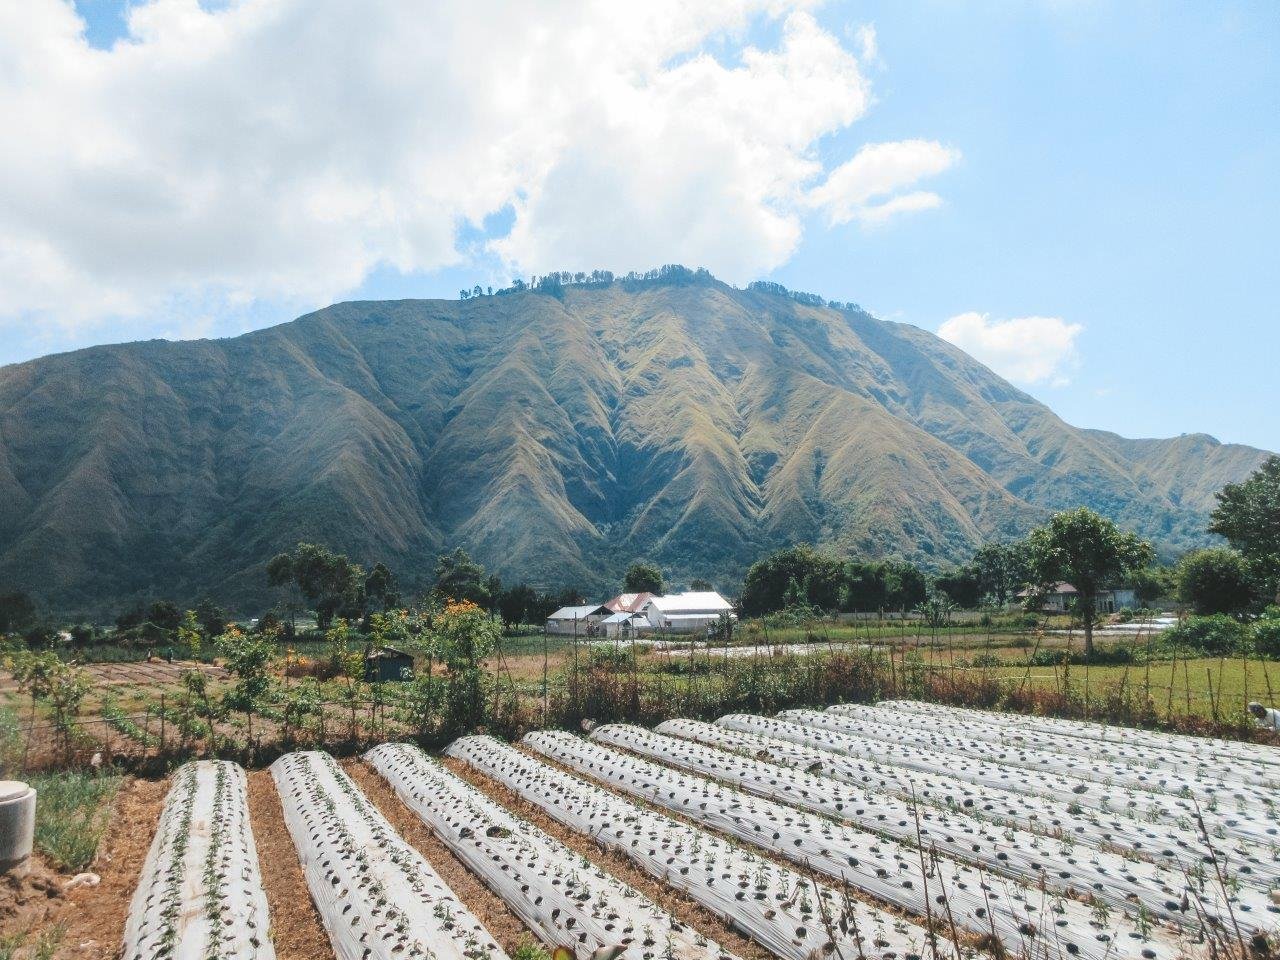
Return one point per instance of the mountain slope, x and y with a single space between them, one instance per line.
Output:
556 437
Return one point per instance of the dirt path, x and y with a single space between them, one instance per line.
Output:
295 926
504 925
684 909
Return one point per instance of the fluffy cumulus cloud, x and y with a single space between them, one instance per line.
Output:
220 155
1026 350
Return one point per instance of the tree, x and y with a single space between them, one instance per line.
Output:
818 578
518 605
1089 552
380 587
17 612
960 586
1248 515
1153 583
248 657
1215 581
701 585
462 636
458 577
331 583
1001 570
643 577
164 614
212 618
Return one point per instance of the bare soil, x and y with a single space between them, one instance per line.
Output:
93 918
296 929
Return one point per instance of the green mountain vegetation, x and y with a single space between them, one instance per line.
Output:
557 433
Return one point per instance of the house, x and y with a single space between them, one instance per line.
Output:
387 664
628 602
690 612
623 624
1060 597
580 621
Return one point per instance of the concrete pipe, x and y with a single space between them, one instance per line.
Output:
17 824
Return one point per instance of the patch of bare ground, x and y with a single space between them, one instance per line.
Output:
488 908
296 929
684 909
92 918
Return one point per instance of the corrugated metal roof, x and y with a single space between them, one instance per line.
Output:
692 601
576 613
628 602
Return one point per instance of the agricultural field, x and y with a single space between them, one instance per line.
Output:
902 831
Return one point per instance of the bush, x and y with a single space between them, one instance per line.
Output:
1266 635
1213 635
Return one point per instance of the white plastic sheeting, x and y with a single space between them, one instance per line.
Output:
1026 921
1212 748
871 723
200 895
558 894
1237 772
1162 842
1124 884
378 898
787 912
842 734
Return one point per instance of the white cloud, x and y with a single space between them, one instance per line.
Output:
278 149
1026 350
865 188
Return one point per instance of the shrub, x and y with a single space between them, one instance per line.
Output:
1266 635
1215 634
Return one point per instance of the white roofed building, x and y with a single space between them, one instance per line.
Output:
690 612
580 621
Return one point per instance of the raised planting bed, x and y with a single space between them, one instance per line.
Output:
790 913
560 895
1117 751
1024 920
1186 897
854 718
830 731
378 898
200 894
1161 841
1212 748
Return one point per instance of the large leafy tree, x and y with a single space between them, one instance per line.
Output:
458 577
1215 581
330 582
1248 515
1001 570
1089 552
643 577
792 576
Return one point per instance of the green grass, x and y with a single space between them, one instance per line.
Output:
72 814
43 947
1199 686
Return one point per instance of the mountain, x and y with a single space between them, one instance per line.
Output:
557 434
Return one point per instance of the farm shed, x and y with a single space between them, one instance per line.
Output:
689 612
623 624
387 664
580 621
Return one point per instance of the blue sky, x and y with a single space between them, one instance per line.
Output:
1106 168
